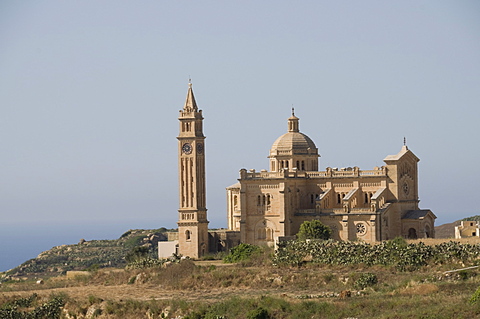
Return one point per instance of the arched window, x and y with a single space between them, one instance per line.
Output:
259 201
298 165
286 164
261 233
303 165
187 235
269 234
268 199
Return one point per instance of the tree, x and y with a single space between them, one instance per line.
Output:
314 230
241 252
137 253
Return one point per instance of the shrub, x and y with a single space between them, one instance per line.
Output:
145 263
241 252
404 257
137 253
314 230
365 280
134 241
50 309
259 313
476 296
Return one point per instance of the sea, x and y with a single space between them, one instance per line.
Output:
20 242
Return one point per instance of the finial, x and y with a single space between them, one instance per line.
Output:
293 111
404 141
189 81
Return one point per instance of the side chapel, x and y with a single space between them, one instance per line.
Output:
267 206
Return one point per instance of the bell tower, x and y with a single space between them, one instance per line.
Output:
192 214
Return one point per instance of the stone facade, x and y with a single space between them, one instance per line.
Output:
367 205
194 238
467 228
192 214
267 206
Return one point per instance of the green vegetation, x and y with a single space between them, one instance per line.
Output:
241 252
265 307
396 253
21 308
365 280
91 255
472 218
302 279
137 253
314 230
475 297
187 290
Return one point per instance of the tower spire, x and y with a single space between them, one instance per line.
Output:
192 212
190 103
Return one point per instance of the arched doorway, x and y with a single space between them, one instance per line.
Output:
412 233
427 232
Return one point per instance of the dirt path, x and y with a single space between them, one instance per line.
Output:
145 292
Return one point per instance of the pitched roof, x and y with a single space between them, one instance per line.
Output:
402 152
234 186
418 214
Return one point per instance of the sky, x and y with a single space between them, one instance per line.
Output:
90 93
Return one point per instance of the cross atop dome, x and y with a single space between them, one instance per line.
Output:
293 125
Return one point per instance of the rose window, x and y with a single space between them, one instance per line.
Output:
361 229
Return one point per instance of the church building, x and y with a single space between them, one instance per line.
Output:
267 206
368 205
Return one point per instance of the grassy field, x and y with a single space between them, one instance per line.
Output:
256 289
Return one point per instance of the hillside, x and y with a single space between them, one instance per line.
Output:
446 230
111 253
87 255
257 288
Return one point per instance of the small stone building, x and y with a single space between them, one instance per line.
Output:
467 228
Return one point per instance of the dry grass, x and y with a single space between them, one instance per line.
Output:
182 288
419 289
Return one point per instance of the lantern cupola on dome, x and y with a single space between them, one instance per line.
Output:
293 150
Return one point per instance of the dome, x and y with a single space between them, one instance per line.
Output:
296 142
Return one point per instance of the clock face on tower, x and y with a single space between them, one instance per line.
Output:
187 148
